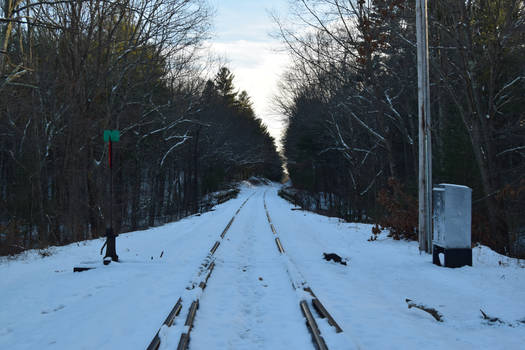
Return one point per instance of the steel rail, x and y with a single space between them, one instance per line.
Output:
316 303
207 267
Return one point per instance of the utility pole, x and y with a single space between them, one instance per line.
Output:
425 145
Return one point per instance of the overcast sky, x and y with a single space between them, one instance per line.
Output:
241 35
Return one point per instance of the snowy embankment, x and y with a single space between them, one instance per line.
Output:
249 302
368 296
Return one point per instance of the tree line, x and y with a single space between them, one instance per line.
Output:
70 70
351 98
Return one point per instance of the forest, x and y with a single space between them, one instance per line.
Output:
70 70
351 99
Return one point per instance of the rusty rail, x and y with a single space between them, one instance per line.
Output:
316 303
207 266
312 326
155 343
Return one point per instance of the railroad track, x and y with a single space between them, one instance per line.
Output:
193 293
194 290
299 283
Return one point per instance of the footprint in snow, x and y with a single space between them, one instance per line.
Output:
59 307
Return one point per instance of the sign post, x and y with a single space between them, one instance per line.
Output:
110 136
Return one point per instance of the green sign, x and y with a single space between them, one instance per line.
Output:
113 135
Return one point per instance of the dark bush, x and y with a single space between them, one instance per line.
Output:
401 211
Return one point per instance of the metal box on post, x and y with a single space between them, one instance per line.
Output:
452 216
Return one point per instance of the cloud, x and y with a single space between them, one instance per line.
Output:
257 67
241 35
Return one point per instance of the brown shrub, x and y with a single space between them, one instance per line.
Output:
11 239
401 211
511 200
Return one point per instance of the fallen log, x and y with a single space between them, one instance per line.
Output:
436 314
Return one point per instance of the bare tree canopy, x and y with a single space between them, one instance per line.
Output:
70 70
351 98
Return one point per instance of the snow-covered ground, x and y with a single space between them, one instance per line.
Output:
249 302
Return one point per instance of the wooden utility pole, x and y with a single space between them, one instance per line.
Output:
425 146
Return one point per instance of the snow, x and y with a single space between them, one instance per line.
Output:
367 298
249 301
444 185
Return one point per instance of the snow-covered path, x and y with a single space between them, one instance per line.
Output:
249 302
